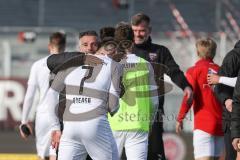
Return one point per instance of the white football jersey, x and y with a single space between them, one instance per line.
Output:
91 91
38 81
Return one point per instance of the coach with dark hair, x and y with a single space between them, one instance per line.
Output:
157 54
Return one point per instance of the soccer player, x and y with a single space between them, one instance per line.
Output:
39 81
91 92
88 44
208 140
131 123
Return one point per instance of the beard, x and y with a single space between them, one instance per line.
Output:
140 39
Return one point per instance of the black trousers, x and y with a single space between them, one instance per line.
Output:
155 143
231 153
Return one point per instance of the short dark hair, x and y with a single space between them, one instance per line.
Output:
139 18
58 39
88 33
124 32
106 32
121 23
106 35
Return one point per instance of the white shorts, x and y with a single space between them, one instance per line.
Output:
206 145
43 136
135 143
92 136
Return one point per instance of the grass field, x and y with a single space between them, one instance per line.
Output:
12 156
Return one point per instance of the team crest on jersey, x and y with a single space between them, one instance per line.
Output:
153 56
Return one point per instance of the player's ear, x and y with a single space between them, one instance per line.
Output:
49 47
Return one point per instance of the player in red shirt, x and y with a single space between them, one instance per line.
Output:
207 135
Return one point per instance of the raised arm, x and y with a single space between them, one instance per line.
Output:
229 68
228 81
58 62
216 79
55 61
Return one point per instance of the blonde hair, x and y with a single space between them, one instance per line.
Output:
206 48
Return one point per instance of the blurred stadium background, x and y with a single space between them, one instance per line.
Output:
26 24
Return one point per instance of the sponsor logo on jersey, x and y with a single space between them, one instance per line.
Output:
176 147
152 56
129 65
77 100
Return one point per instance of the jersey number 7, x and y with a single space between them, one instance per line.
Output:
90 72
